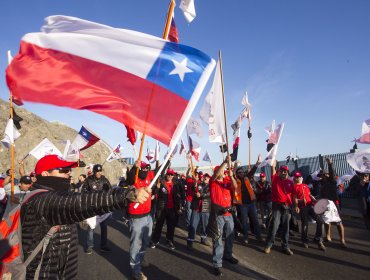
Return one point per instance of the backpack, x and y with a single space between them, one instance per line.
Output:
12 263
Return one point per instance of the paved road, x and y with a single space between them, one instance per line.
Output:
311 263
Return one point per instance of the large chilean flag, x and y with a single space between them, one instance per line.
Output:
142 81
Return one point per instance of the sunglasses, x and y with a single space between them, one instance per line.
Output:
63 170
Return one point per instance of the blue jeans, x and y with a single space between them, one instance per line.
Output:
283 217
140 234
246 210
103 235
266 208
188 213
197 217
225 223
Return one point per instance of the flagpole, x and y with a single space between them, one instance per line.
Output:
249 142
225 118
164 36
12 140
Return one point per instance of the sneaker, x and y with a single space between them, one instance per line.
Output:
245 242
139 276
105 249
189 244
267 250
321 246
232 260
205 242
305 245
153 244
288 252
218 271
170 245
327 239
88 250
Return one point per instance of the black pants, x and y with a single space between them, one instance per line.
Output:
169 216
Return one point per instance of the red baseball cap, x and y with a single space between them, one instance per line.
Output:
216 168
284 167
50 162
143 164
32 174
170 172
297 174
262 175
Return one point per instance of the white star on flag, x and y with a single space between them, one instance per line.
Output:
180 69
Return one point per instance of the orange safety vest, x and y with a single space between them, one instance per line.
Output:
239 190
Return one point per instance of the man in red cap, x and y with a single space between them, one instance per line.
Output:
220 220
281 196
141 222
55 206
168 204
303 201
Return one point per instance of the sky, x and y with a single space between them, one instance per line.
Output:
305 63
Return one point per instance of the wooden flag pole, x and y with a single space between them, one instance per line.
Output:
249 142
12 149
223 99
164 36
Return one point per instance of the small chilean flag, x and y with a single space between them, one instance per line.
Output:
142 81
85 139
194 148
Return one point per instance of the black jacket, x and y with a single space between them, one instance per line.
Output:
328 189
60 207
92 184
205 197
162 196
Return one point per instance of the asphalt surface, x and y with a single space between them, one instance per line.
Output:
164 263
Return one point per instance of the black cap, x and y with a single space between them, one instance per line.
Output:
97 168
25 180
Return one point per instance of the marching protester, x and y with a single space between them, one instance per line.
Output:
359 187
264 199
281 192
191 184
303 201
220 220
168 204
97 182
141 222
245 196
54 212
200 206
328 190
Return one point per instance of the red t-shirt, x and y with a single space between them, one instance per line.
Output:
189 189
144 208
221 193
303 191
169 186
281 190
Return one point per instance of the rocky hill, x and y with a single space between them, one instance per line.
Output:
35 129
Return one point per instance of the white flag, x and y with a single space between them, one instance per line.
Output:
207 157
45 148
71 153
188 8
10 134
212 111
360 161
271 155
194 127
157 150
247 110
115 154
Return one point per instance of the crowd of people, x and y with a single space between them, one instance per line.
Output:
219 206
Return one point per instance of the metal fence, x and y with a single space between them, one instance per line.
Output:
309 165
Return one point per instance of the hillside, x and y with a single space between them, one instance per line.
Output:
35 129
